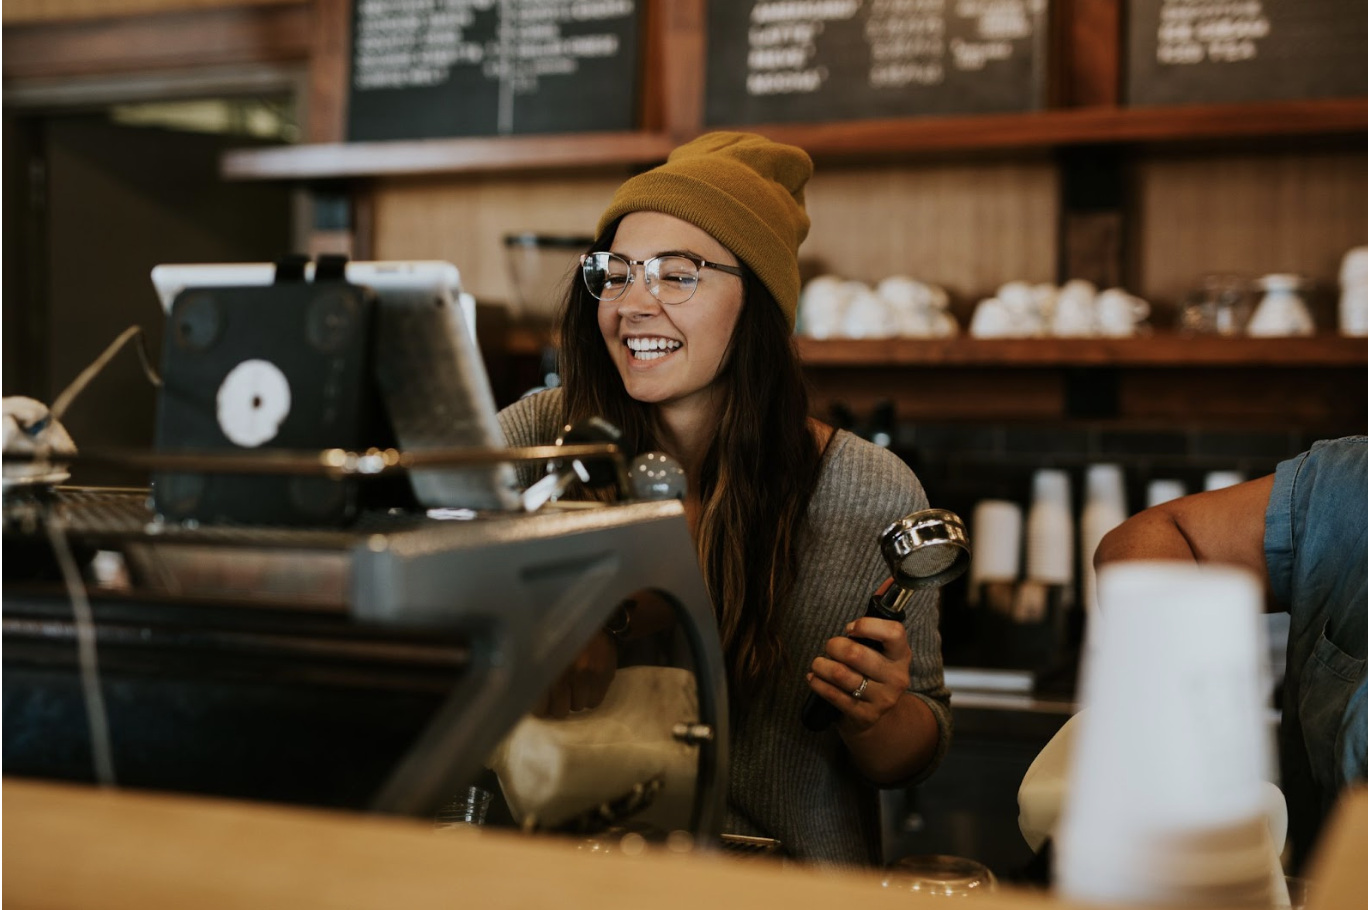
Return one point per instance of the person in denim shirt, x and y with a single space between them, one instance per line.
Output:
1304 529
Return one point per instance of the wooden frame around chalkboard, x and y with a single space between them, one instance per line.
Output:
671 81
1084 90
1084 94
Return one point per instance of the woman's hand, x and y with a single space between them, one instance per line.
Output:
583 685
848 665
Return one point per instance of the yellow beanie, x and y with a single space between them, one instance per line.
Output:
745 190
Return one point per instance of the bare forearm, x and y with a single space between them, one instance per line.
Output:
1225 526
899 745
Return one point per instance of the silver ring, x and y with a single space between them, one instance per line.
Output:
860 689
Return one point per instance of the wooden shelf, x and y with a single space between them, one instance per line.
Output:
856 138
1080 126
445 156
1167 351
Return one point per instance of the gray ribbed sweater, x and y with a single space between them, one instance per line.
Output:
787 782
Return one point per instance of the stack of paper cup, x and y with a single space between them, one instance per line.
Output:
997 541
1103 509
1050 529
1163 490
1167 798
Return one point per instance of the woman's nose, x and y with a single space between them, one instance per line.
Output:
638 299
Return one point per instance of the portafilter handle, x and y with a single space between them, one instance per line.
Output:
925 549
592 473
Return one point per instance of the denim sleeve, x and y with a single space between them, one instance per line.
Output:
1316 546
1316 526
1278 548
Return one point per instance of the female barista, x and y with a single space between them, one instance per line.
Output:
678 331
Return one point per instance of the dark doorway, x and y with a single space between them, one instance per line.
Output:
91 205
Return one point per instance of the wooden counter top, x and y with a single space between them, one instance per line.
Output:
76 847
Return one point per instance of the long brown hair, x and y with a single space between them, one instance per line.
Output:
757 475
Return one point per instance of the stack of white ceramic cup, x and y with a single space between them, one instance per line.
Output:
1103 509
1050 529
1167 795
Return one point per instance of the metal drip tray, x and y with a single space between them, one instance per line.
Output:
124 514
294 567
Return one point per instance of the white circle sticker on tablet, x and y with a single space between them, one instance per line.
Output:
252 403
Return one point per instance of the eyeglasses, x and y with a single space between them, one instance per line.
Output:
671 279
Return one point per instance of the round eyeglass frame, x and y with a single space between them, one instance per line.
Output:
649 266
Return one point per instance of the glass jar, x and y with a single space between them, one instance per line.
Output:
1219 305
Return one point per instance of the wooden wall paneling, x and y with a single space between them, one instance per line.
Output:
325 114
170 41
939 394
1250 213
464 220
969 227
1251 398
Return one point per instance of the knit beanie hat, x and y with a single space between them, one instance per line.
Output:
745 190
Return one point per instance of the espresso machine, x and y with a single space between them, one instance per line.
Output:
316 620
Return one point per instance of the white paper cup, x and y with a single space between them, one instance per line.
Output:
1104 509
996 530
1167 797
1050 529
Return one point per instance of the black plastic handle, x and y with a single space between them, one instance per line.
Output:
818 713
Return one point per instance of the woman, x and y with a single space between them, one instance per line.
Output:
678 331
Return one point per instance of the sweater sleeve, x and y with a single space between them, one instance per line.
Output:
864 489
531 421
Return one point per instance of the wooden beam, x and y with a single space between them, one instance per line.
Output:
329 72
680 49
170 41
21 12
1087 39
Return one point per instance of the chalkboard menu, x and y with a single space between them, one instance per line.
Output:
774 61
1195 51
436 68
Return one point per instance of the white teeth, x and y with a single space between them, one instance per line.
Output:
652 348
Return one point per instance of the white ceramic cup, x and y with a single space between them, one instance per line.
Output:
821 306
990 320
1118 313
1074 312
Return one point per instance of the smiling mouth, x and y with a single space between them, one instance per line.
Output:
652 348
